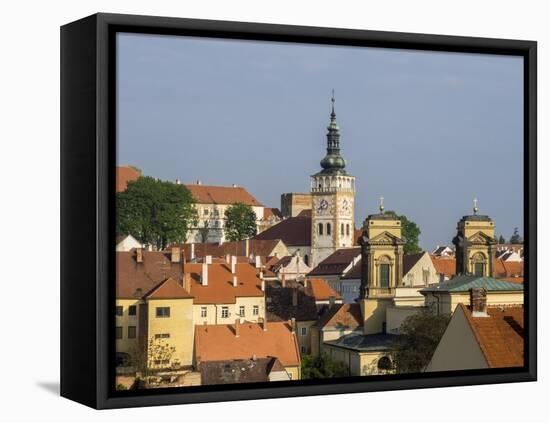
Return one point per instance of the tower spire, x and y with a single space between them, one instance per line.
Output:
333 163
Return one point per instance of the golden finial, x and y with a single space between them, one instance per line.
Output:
475 206
381 206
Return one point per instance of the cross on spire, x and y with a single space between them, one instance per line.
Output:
332 100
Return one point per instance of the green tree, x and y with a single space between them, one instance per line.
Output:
501 240
155 212
420 335
240 222
322 367
516 239
409 232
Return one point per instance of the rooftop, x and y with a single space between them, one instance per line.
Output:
365 343
337 262
342 317
464 283
294 231
238 371
219 342
210 194
500 336
125 174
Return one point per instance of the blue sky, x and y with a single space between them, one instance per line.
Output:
427 130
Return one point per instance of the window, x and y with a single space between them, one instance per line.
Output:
118 332
225 312
479 263
119 311
216 223
241 311
255 310
384 275
303 331
320 229
162 335
479 269
384 363
426 276
347 229
328 228
163 311
303 349
342 229
132 310
131 332
205 212
204 311
306 260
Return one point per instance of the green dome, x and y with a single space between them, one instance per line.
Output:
333 161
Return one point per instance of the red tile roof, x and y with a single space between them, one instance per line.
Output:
500 336
272 211
125 174
210 194
262 248
503 269
294 231
170 288
218 342
444 265
220 289
321 290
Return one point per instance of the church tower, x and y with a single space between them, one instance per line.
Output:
475 245
333 200
382 268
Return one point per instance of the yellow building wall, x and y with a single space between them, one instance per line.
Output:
295 372
304 341
214 311
127 345
376 227
179 326
374 314
458 348
471 227
315 336
358 363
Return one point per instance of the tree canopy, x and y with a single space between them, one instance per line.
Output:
410 233
516 238
155 212
240 222
321 367
420 335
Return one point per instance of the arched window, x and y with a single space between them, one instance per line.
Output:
306 260
384 272
342 229
479 263
384 363
328 228
347 229
320 228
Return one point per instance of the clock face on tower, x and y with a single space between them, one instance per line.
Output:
345 207
323 205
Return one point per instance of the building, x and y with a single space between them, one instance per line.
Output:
211 203
295 232
272 216
510 271
443 251
293 203
291 267
333 200
248 248
480 336
126 243
444 298
125 174
249 370
334 267
475 245
249 341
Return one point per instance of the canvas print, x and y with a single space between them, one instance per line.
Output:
290 212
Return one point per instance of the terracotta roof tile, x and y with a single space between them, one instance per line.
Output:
444 265
503 270
220 289
170 288
256 247
500 336
321 290
280 306
272 212
218 342
210 194
125 174
238 371
294 231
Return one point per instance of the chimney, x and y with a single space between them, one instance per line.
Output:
246 247
261 274
258 262
175 254
234 281
478 302
294 297
187 282
204 275
228 259
139 255
233 264
237 327
263 324
331 300
263 285
192 256
208 259
293 324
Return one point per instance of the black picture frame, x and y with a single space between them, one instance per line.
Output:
87 207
